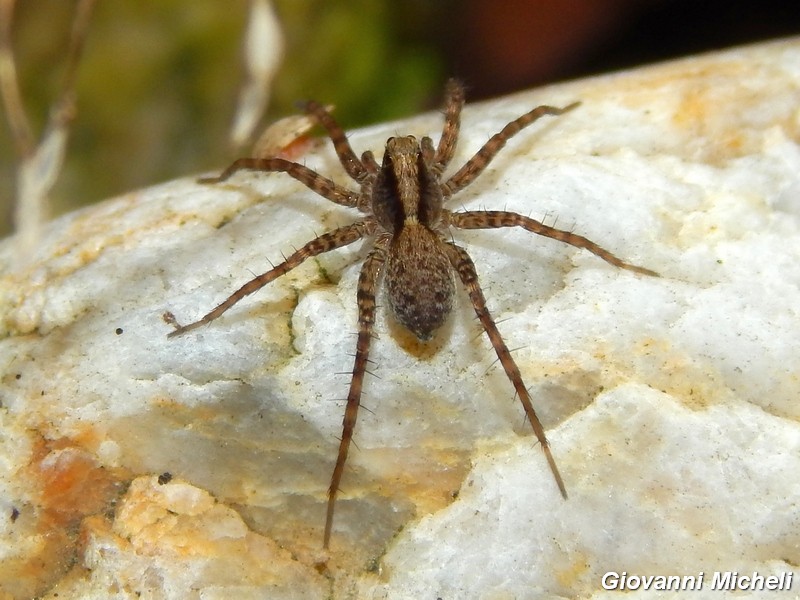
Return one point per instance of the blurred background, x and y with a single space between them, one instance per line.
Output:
158 82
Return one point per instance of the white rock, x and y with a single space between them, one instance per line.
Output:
671 403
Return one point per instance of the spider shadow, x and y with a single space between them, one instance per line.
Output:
412 345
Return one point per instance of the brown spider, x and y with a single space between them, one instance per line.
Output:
401 202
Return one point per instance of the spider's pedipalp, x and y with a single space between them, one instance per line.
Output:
325 243
368 158
491 219
465 268
367 281
428 151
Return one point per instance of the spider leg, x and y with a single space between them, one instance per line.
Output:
490 219
465 268
454 101
475 166
311 179
354 167
326 242
366 318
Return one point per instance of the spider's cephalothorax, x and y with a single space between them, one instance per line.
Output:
402 206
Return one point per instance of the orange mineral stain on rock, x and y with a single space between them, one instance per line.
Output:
69 485
73 486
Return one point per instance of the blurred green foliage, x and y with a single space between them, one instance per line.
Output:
158 83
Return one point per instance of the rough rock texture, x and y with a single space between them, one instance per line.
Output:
136 466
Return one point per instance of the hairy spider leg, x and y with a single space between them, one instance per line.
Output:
311 179
454 102
475 165
491 219
332 240
354 167
465 268
367 283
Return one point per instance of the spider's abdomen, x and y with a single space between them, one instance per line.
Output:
419 280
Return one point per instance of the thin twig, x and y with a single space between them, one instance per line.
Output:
40 164
18 121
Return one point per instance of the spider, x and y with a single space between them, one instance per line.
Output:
401 202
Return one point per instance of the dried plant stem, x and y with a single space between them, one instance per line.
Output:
40 164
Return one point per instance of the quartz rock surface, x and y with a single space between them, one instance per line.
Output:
136 466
